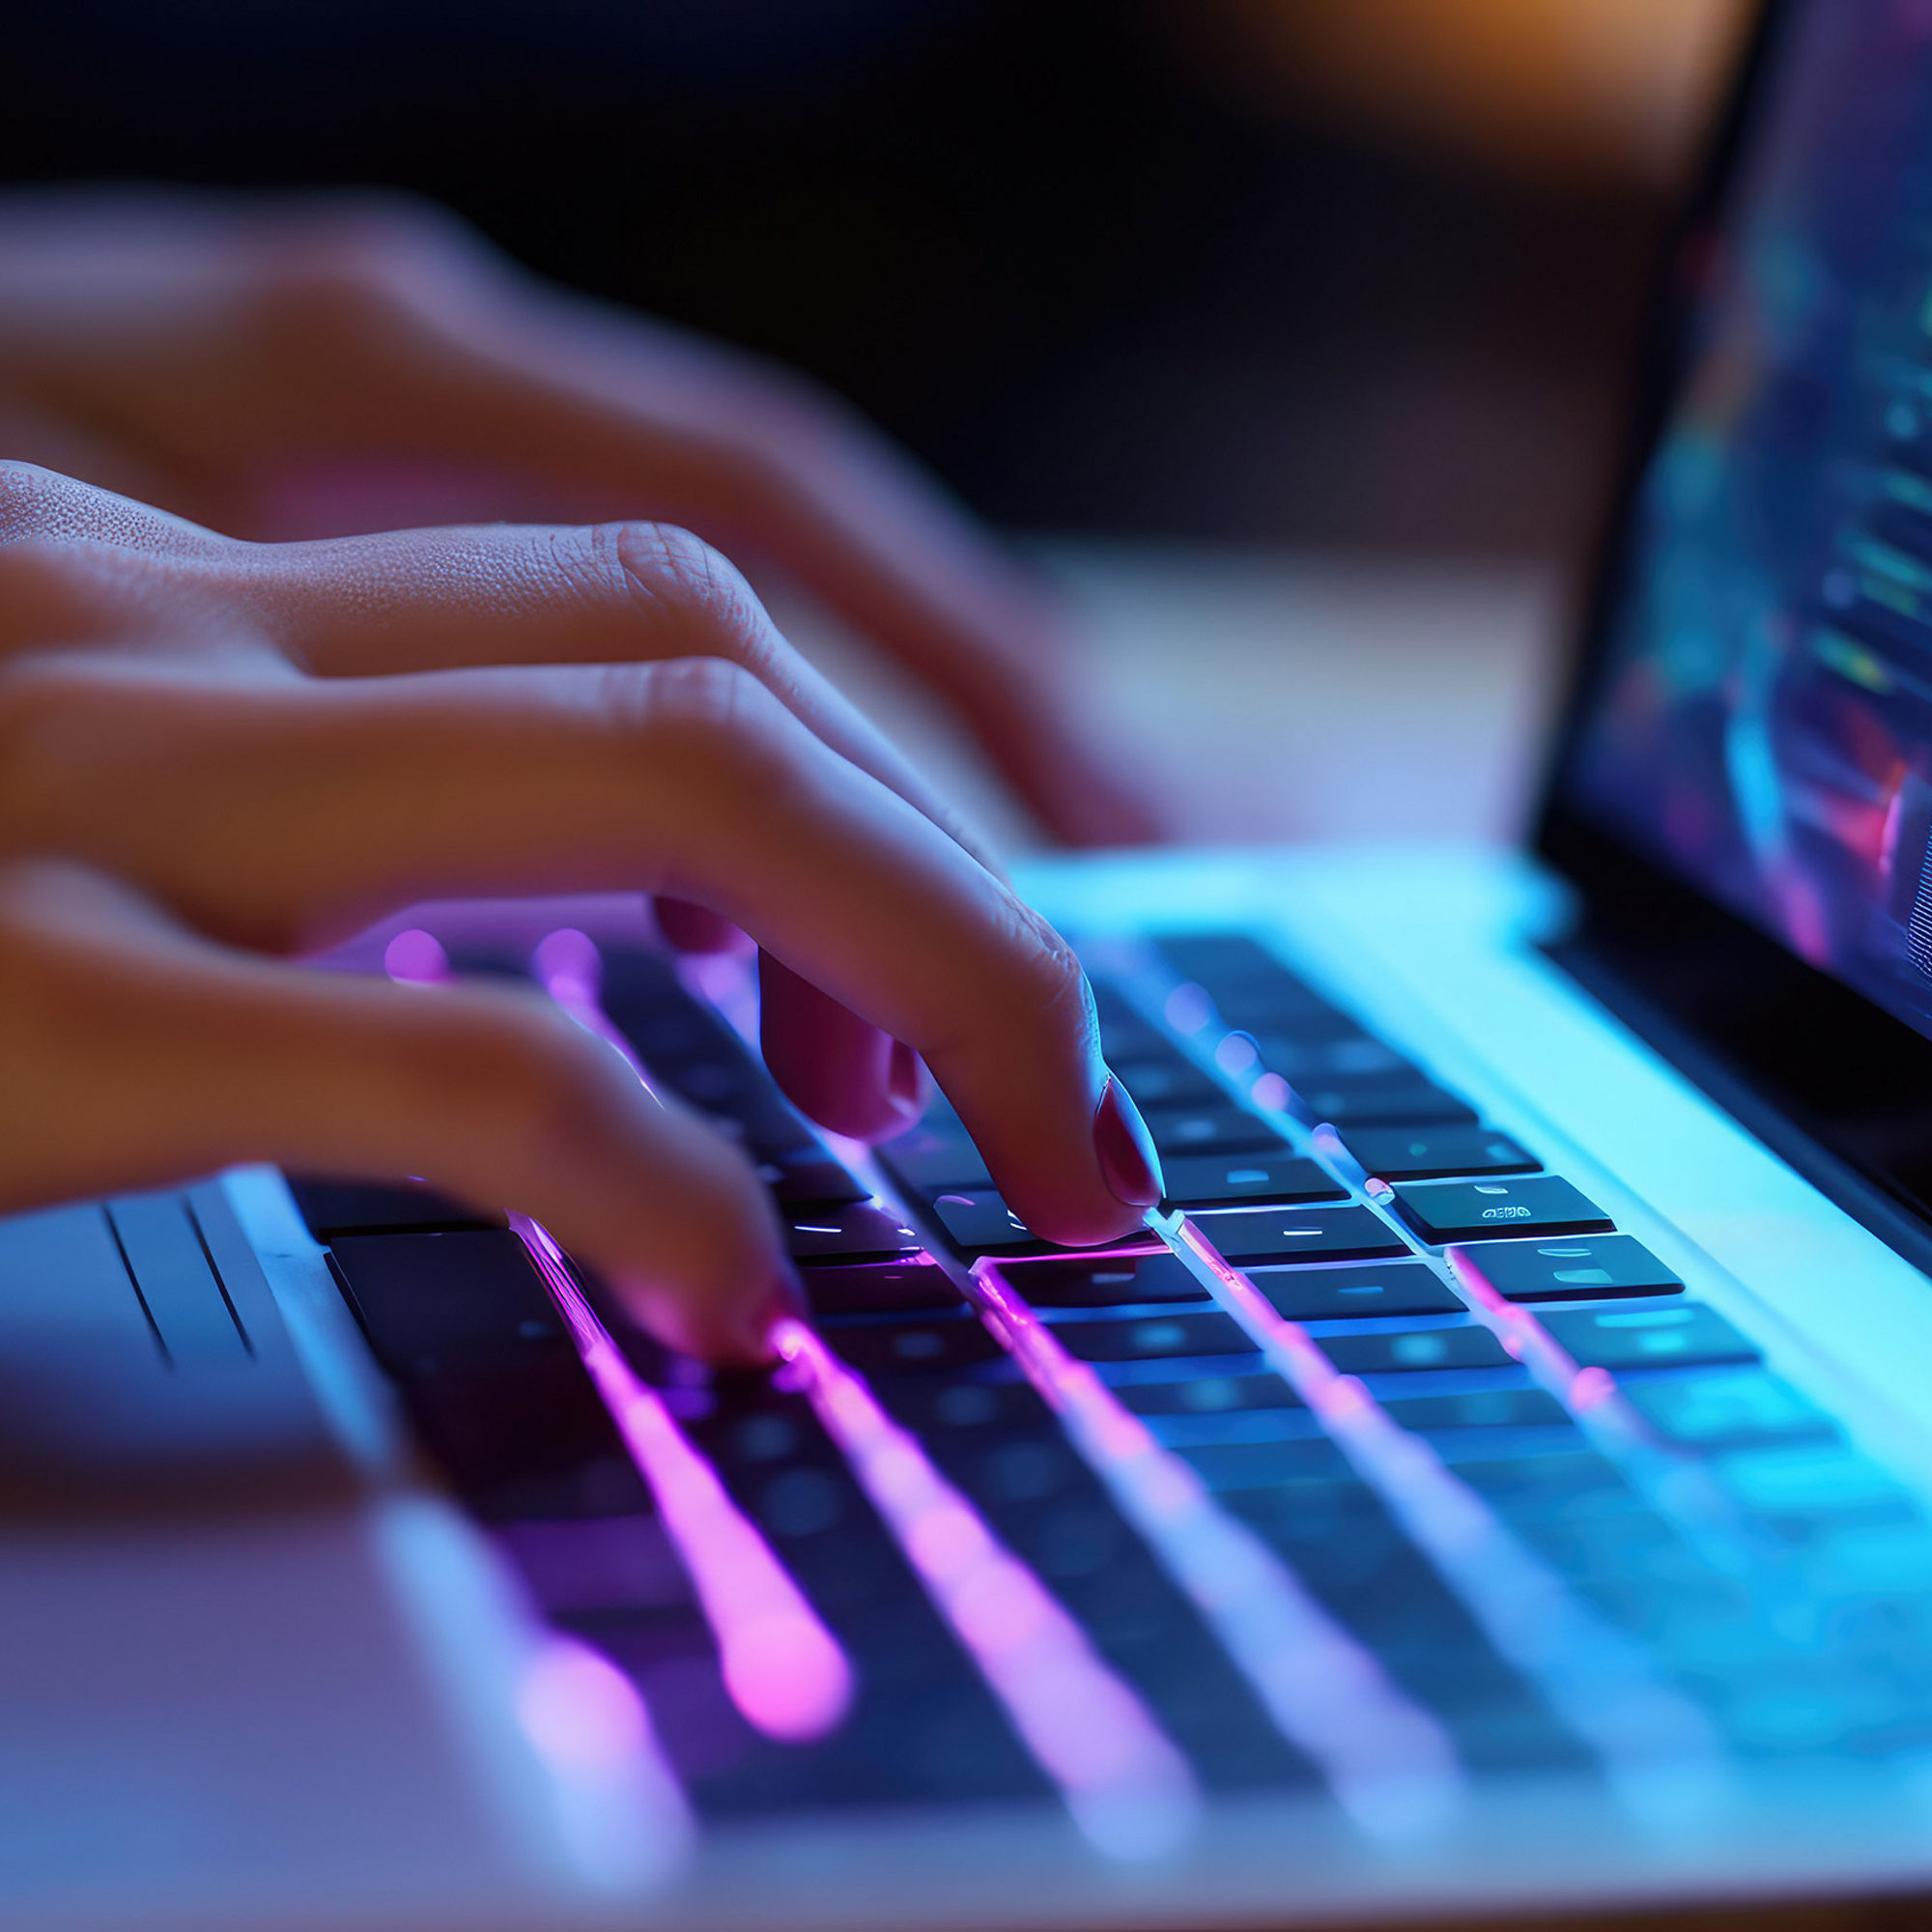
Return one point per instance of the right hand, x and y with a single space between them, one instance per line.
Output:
215 755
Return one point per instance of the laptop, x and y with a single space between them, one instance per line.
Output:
1495 1485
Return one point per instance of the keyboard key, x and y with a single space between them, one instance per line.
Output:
597 1564
1262 1465
1318 1062
1426 1153
1052 1511
1259 1235
439 1303
1171 1081
1210 956
1479 1408
1109 1281
1152 1336
1808 1479
1550 1488
857 1232
980 1223
1461 1210
332 1206
1123 1033
1728 1410
1278 1014
896 1348
878 1286
1469 1347
494 1389
1210 1180
1596 1270
1340 1539
1207 1395
810 1179
1643 1337
1371 1102
980 1409
1215 1130
1329 1293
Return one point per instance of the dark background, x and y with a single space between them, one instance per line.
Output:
1045 242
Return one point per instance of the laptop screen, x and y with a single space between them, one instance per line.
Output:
1759 719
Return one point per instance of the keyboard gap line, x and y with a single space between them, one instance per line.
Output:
1127 1785
1390 1763
1657 1748
782 1668
1678 1487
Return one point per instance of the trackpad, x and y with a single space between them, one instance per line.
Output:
139 1377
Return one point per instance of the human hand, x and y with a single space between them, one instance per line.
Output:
228 360
214 753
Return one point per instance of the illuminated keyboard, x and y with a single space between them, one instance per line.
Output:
1380 1461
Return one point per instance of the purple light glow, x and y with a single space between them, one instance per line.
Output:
781 1665
1657 1746
416 958
620 1809
580 1710
1189 1009
1591 1394
571 970
1273 1092
1125 1784
1390 1764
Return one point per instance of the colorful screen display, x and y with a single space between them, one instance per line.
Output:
1764 722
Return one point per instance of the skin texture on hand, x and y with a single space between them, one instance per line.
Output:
223 356
215 755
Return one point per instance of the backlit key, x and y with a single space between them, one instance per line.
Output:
1643 1337
1217 1181
1595 1269
1245 1236
1463 1210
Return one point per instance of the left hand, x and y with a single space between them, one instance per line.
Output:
227 358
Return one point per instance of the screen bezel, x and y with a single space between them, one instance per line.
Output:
1832 1081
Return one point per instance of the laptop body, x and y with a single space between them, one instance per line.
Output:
1495 1486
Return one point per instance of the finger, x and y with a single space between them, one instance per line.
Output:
436 597
279 815
691 929
415 599
138 1054
364 328
846 1074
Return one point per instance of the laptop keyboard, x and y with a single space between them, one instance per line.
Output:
1378 1461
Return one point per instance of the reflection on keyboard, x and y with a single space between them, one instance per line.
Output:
1379 1462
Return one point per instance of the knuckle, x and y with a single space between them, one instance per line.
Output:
1050 974
710 715
673 580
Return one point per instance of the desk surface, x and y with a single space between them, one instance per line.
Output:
1263 697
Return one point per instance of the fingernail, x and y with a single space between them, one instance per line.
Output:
783 1300
1126 1148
